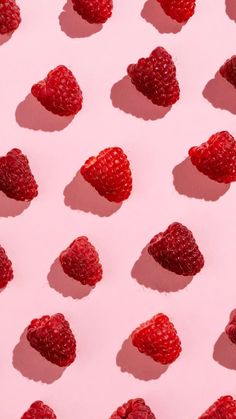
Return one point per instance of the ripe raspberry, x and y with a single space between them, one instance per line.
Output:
16 179
39 410
9 16
224 408
216 158
59 92
155 77
228 70
53 338
230 329
177 250
81 262
6 272
133 409
158 339
109 173
180 10
94 11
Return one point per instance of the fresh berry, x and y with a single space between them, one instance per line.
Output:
158 339
94 11
133 409
53 338
155 77
216 158
59 92
180 10
6 272
224 408
231 329
81 262
228 70
109 173
177 250
16 179
9 16
39 410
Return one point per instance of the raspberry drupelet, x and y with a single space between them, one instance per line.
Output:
180 10
133 409
94 11
223 408
9 16
39 410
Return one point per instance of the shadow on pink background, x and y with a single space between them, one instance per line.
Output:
153 13
65 285
149 273
32 365
5 38
80 195
127 98
73 25
190 182
221 94
10 207
230 8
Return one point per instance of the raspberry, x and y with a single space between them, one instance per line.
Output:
177 251
224 408
39 410
16 179
109 173
94 11
155 77
6 272
9 16
180 10
158 339
53 338
133 409
59 92
216 158
230 329
81 262
228 70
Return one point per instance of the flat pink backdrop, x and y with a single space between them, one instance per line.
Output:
108 371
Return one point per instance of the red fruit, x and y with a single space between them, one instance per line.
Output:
59 92
224 408
180 10
94 11
177 250
133 409
9 16
216 158
109 173
39 410
155 77
81 261
53 338
16 179
158 339
6 272
230 329
228 70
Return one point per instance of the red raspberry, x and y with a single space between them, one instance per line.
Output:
155 77
216 158
39 410
109 173
158 339
59 92
228 70
224 408
177 250
133 409
53 338
81 261
180 10
9 16
16 179
94 11
6 272
230 329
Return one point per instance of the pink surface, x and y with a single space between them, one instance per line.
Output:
108 371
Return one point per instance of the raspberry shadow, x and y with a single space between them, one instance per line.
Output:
67 286
230 9
153 13
73 25
190 182
80 195
5 38
149 273
221 94
10 207
141 366
127 98
32 365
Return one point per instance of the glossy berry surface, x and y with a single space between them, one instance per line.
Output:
39 410
224 408
9 16
94 11
180 10
158 339
133 409
6 272
230 329
228 70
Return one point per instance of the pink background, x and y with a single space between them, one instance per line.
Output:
108 371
